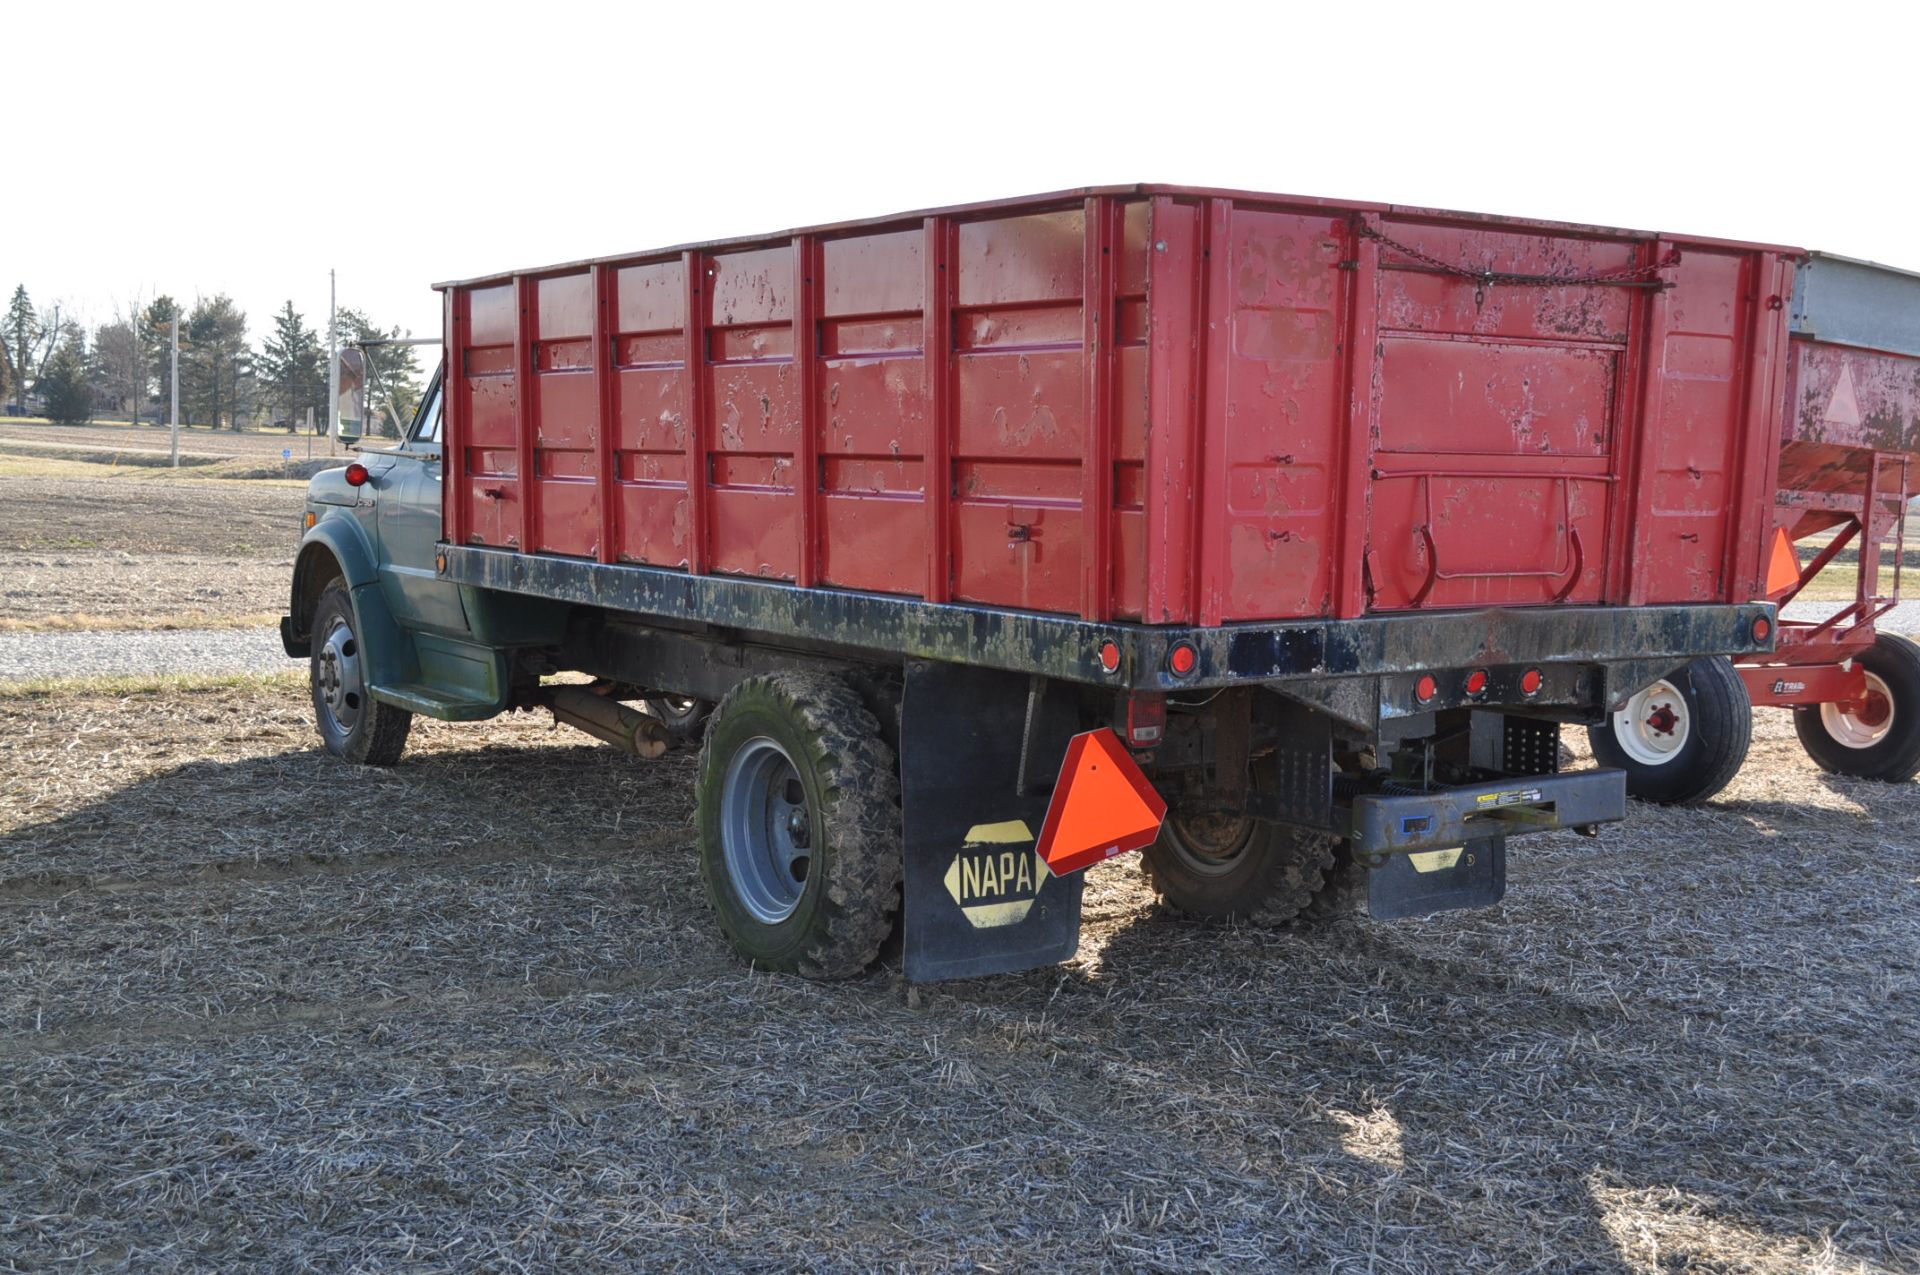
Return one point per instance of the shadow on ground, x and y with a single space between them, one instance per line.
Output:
472 1012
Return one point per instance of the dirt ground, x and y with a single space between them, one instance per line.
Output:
221 442
257 1009
114 551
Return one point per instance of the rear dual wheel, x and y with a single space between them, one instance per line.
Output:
1236 868
798 821
1878 738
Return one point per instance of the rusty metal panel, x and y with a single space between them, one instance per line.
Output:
1161 403
1275 421
565 417
1855 367
649 424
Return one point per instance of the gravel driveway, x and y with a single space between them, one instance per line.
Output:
37 656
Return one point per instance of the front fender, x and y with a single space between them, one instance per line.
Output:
335 548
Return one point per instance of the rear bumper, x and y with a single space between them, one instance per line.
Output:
1401 823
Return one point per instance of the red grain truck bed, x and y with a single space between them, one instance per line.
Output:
1160 404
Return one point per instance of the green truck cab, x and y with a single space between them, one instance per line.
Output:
386 635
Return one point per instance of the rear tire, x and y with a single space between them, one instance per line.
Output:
1882 739
798 820
1222 868
353 725
1343 892
1684 738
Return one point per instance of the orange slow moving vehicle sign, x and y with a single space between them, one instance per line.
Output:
1102 805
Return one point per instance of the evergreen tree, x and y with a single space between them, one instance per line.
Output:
156 334
64 388
215 379
22 331
292 369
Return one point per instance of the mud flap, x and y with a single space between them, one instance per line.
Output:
1425 882
978 900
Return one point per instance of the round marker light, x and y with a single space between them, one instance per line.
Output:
1110 656
1183 659
1531 682
1426 688
1477 682
357 475
1762 629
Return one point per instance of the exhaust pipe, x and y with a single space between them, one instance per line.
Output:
607 719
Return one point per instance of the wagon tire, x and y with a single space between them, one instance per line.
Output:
1237 869
1882 739
798 821
1682 739
353 724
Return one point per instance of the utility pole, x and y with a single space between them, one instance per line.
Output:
173 354
333 369
133 354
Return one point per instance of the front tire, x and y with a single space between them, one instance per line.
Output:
1684 738
1879 739
353 725
798 817
1236 868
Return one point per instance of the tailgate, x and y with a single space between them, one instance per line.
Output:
1553 415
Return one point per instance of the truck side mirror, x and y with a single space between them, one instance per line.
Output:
351 406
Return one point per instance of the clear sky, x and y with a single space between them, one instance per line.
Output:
201 148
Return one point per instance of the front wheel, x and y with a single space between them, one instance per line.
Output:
798 818
353 725
1684 738
1878 738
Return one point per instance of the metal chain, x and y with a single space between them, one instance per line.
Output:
1488 278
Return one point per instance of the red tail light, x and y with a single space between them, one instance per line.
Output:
1146 720
357 475
1477 682
1531 682
1426 688
1183 659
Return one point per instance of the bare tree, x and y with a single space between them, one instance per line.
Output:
115 368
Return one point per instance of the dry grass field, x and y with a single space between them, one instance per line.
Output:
260 1010
83 549
105 436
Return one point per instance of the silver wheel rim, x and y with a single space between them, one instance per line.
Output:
340 690
1654 725
766 830
1872 723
